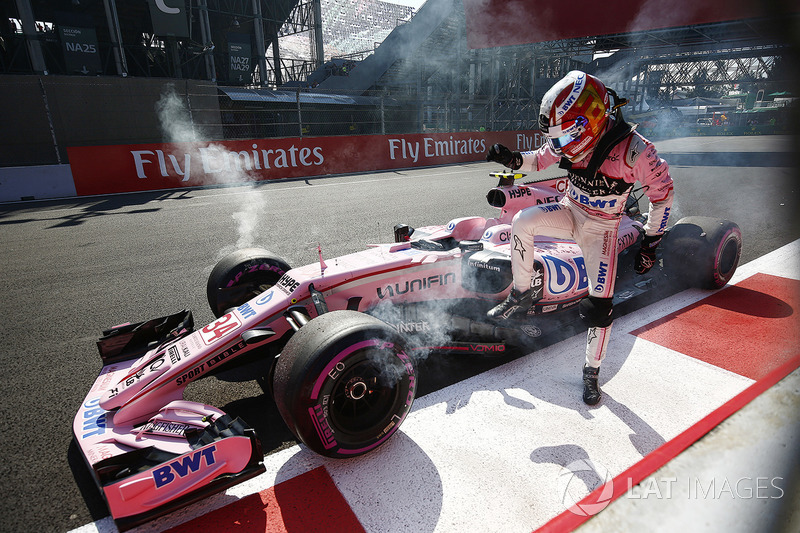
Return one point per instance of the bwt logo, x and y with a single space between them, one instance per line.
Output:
664 220
602 274
181 468
94 419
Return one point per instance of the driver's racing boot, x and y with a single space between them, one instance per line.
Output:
591 391
515 302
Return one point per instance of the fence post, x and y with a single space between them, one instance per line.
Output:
189 109
383 119
208 44
116 37
447 111
50 121
261 47
299 114
32 42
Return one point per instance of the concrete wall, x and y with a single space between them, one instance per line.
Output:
36 182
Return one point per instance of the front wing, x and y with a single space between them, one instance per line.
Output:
185 452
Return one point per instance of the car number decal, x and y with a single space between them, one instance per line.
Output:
222 327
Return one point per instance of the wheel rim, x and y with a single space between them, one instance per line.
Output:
365 396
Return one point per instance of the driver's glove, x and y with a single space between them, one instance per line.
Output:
646 257
500 154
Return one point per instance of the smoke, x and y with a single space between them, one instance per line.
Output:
659 14
446 319
247 217
174 118
616 72
177 126
427 324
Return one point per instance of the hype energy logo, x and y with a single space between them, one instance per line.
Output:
577 482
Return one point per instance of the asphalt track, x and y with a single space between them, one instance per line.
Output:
72 267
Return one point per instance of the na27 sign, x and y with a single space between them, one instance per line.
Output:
239 58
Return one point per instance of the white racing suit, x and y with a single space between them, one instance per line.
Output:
590 214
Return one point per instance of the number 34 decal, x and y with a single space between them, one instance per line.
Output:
220 328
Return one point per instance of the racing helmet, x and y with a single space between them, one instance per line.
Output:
574 114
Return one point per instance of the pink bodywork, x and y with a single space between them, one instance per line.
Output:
138 404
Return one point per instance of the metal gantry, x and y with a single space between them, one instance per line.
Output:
503 86
505 81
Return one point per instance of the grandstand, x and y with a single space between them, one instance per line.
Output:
353 28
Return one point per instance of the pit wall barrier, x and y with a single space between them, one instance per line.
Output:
114 169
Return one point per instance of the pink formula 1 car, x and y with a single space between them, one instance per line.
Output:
342 336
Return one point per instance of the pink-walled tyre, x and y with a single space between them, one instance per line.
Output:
242 275
703 252
344 383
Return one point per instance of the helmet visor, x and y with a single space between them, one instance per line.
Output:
565 133
560 142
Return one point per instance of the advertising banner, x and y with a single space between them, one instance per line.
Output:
147 167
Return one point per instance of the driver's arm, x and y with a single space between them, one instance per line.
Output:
539 159
529 161
653 173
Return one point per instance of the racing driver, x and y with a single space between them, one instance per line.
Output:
604 157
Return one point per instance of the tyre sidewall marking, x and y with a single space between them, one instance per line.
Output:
252 268
317 412
336 360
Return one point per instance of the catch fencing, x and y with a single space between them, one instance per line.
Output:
45 115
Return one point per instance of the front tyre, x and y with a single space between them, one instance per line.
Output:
703 251
344 383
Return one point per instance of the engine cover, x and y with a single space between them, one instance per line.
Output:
486 272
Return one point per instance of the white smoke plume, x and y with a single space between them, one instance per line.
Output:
174 118
177 126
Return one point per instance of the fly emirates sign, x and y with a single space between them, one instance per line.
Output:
143 167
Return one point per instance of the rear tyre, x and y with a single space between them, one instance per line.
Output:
703 252
344 383
242 275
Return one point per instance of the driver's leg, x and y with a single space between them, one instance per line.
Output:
598 242
553 220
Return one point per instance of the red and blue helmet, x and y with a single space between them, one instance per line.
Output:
574 114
